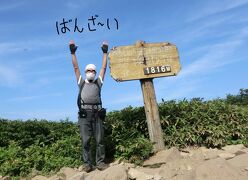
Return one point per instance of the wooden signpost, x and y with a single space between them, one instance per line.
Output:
145 61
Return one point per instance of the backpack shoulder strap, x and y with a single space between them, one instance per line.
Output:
97 85
79 103
99 88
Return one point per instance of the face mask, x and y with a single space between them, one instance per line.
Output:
90 76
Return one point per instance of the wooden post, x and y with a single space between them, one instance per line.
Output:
145 61
152 114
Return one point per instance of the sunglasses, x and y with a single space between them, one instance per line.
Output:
91 71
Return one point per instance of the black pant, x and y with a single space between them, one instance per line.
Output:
92 126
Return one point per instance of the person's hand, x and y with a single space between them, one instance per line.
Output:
73 47
105 47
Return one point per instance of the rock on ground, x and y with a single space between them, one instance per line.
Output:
117 172
163 157
78 176
218 169
67 172
226 155
233 148
228 163
240 161
40 178
139 175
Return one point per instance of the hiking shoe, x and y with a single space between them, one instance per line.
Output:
102 166
87 168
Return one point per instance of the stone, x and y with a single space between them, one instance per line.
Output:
35 173
192 163
188 168
163 157
217 169
80 168
138 175
233 148
67 172
184 154
39 177
117 172
240 152
211 154
158 177
168 174
240 161
78 176
226 155
116 162
129 165
6 178
56 177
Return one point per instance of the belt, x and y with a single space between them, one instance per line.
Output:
89 106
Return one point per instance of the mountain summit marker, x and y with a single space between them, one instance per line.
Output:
145 61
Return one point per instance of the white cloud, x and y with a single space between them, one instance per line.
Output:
27 98
43 59
126 99
214 57
6 48
11 6
175 89
79 5
205 27
213 7
32 44
9 76
217 55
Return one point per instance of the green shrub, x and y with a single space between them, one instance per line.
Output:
15 161
28 132
203 123
239 99
47 146
129 134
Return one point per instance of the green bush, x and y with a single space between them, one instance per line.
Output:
26 133
203 123
240 99
15 161
45 146
129 134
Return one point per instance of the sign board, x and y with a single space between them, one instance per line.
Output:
144 60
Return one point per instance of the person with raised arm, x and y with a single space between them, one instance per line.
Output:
91 114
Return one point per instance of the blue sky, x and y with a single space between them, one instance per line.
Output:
36 75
